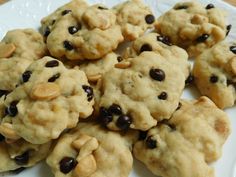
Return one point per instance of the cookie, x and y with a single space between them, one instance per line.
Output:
140 92
193 26
90 150
134 17
48 100
161 45
21 154
90 34
185 143
215 74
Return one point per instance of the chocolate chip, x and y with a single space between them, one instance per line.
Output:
189 80
151 143
157 74
179 106
149 19
202 38
52 63
3 93
214 78
119 58
67 45
102 8
145 47
67 164
115 109
105 116
2 138
163 96
228 28
142 135
46 32
233 49
210 6
53 21
164 39
73 29
64 12
89 91
12 109
18 170
22 159
123 122
26 76
54 77
181 7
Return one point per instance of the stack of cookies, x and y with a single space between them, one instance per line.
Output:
70 98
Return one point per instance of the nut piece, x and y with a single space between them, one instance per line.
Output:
94 78
8 132
45 91
6 50
86 167
77 144
123 65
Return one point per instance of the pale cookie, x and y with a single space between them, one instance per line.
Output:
215 74
142 94
167 153
48 100
20 154
160 44
134 17
194 27
88 36
90 150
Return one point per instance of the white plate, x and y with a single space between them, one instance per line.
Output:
27 13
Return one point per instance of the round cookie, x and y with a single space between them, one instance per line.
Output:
215 74
160 44
49 99
90 150
134 17
89 36
192 26
21 154
143 91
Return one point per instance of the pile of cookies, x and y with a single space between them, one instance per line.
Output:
69 98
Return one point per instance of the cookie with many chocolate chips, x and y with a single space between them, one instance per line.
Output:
184 144
215 74
140 92
193 26
161 45
90 34
90 150
48 100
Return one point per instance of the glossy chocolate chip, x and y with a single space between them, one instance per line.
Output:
189 80
89 91
157 74
214 78
105 116
163 96
2 138
54 77
102 8
26 76
123 122
18 170
164 39
210 6
149 19
233 49
52 63
181 7
67 164
142 135
151 143
145 47
228 28
68 45
12 109
115 109
22 159
64 12
119 58
73 29
46 32
202 38
3 93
